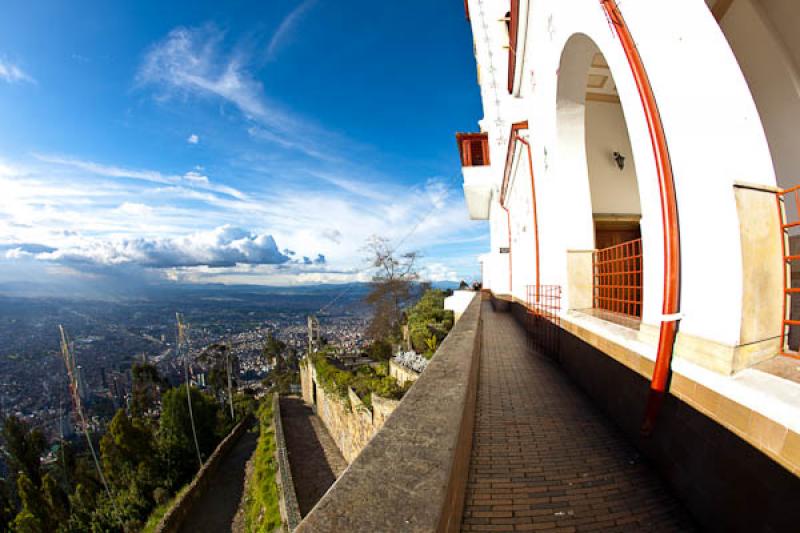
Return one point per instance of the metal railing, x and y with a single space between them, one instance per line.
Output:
617 280
789 219
544 309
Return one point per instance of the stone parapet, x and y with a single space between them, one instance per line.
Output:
413 473
290 510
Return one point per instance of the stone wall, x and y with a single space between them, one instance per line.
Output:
290 510
401 373
350 423
175 516
419 461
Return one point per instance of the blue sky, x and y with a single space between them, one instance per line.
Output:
234 142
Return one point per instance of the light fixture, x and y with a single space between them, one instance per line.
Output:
619 159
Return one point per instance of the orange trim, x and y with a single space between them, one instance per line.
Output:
533 204
510 155
669 214
466 8
465 142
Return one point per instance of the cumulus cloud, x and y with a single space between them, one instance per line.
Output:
11 73
193 139
224 246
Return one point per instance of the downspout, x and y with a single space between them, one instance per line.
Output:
669 218
535 216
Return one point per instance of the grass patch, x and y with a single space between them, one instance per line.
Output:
158 513
262 511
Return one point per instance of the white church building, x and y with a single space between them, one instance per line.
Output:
636 163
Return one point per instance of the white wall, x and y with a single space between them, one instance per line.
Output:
765 37
614 191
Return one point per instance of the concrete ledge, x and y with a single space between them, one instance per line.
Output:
412 475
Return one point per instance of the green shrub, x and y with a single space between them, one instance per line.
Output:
365 381
429 322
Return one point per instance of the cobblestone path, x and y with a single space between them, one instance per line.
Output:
544 459
313 456
216 508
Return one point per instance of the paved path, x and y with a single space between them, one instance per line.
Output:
313 456
545 459
215 510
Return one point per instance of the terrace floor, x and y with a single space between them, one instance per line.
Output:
544 458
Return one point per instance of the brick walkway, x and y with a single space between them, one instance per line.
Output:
313 456
545 459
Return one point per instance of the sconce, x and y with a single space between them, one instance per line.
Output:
619 159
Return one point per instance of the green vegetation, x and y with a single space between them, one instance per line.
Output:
262 512
429 322
145 458
365 381
161 510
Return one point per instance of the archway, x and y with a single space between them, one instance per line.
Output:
595 151
763 37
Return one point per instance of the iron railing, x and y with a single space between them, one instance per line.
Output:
544 316
789 218
617 282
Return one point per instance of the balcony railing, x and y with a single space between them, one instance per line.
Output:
617 284
474 149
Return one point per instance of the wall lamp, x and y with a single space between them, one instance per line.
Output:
619 159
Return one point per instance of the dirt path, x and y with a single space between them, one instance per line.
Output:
215 510
314 458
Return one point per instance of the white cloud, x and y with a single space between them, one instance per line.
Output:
13 74
224 246
193 139
191 178
285 28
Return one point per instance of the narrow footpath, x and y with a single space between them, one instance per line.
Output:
215 510
313 456
544 458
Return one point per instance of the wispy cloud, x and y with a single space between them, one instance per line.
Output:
11 73
286 28
194 62
191 178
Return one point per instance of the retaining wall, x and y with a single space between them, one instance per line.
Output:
401 373
350 423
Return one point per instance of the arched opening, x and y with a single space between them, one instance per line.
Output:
595 152
766 44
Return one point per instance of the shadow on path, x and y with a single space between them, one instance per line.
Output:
214 511
314 458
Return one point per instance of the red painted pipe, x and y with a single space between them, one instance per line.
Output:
669 217
535 216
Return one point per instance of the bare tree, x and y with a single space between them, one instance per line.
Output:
392 282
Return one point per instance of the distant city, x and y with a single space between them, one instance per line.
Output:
110 336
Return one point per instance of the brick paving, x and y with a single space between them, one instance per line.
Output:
544 459
315 460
